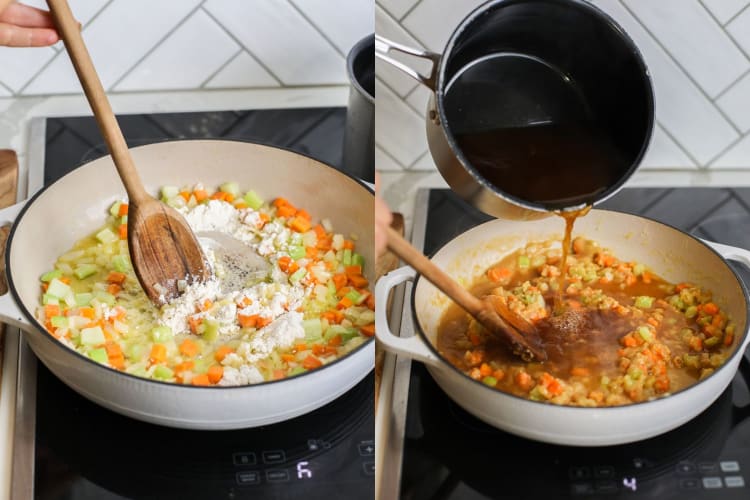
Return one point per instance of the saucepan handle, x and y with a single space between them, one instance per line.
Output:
412 347
383 47
10 313
736 254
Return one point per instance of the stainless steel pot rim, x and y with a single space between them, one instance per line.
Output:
353 53
444 363
440 83
42 331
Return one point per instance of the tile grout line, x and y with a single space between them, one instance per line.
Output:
725 30
12 94
61 51
155 46
739 199
316 28
653 203
410 167
397 23
410 10
731 86
738 14
406 98
687 153
703 217
226 63
408 32
389 155
384 84
679 66
724 151
247 49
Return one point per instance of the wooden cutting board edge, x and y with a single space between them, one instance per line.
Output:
8 193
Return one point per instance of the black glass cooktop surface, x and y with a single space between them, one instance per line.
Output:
449 454
85 452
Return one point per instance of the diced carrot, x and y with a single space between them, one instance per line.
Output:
318 349
653 322
499 374
123 209
485 370
200 195
646 277
87 312
370 302
286 211
728 338
215 372
207 304
284 263
474 339
320 232
629 341
710 308
311 252
117 362
114 288
497 274
219 195
301 347
300 224
574 305
239 205
324 243
348 245
113 349
339 280
122 231
264 217
523 380
201 379
344 303
194 322
221 353
681 286
279 374
263 321
579 371
353 270
51 310
280 202
288 357
304 214
189 348
358 281
45 286
696 343
335 341
249 321
368 330
158 353
65 279
343 291
185 195
311 362
184 366
115 277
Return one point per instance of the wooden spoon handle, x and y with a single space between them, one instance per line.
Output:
70 32
433 273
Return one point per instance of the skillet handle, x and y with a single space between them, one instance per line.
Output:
383 46
412 347
10 313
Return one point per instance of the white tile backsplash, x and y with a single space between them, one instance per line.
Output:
389 28
242 71
344 23
398 128
724 10
188 57
704 51
19 64
736 104
282 39
663 152
433 21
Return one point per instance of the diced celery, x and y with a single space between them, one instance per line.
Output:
711 341
313 329
691 311
201 364
638 269
296 371
169 192
538 260
83 299
105 298
297 252
163 372
644 302
298 275
57 288
137 370
115 208
253 200
358 260
210 330
645 333
489 380
50 299
121 263
230 187
354 296
161 334
106 236
99 355
523 262
92 336
135 351
346 332
50 275
124 219
59 321
635 373
85 270
347 258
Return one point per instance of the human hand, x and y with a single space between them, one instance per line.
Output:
25 26
383 218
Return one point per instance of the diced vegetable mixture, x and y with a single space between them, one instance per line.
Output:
624 334
312 307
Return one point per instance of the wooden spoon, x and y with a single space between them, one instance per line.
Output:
162 247
505 325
